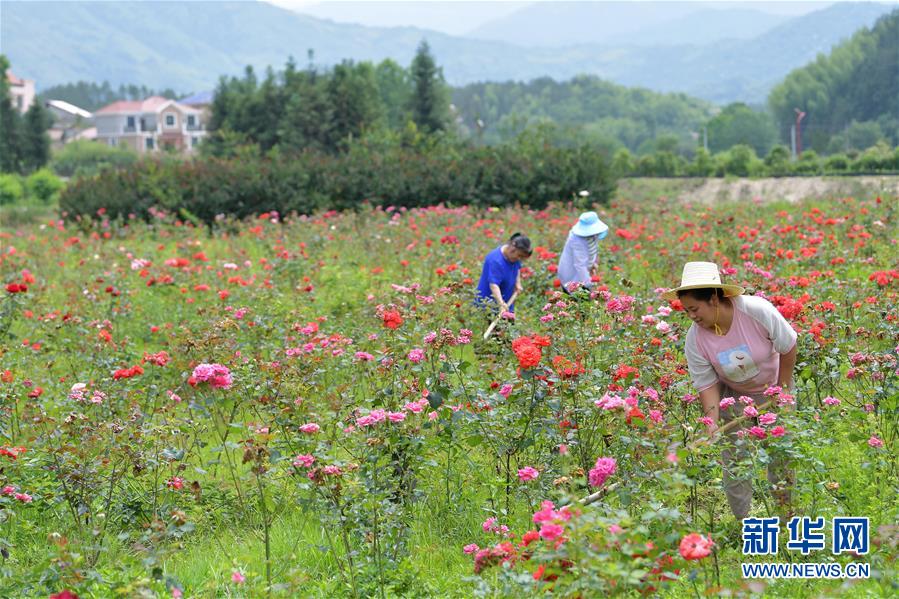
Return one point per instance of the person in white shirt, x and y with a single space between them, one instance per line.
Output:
578 259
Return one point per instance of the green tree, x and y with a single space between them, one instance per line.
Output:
741 161
429 103
703 164
10 126
860 136
352 93
809 163
622 163
738 124
307 116
395 89
35 149
777 162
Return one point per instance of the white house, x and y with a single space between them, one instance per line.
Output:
150 125
69 121
21 92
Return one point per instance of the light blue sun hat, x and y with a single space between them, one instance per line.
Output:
588 225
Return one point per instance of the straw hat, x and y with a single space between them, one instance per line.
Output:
702 275
588 225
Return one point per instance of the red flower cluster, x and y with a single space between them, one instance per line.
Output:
127 373
159 359
17 288
12 452
567 369
788 306
884 277
501 553
392 319
624 372
527 350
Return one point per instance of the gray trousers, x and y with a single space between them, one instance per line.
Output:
737 477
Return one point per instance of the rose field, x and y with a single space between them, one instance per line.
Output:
295 406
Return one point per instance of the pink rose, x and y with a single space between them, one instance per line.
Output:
528 473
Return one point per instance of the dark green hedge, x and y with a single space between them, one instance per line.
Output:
312 181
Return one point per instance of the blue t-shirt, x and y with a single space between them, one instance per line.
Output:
500 271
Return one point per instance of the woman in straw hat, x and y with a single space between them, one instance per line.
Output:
737 347
578 258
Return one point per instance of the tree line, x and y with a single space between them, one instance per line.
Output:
24 144
92 96
325 110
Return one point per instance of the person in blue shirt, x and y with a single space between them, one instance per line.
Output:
501 276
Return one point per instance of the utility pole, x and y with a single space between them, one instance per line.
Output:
799 116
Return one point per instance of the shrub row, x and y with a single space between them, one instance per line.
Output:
40 186
742 161
532 175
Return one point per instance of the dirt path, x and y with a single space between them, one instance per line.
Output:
789 189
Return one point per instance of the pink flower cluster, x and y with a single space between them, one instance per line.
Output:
380 415
218 376
304 461
78 393
490 525
610 402
447 337
620 304
551 521
11 490
528 473
603 469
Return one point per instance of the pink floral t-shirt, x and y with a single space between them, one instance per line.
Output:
747 358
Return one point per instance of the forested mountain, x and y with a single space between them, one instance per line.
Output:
586 108
856 83
188 45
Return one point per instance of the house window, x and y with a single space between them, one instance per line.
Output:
112 142
194 141
130 123
149 143
191 120
170 120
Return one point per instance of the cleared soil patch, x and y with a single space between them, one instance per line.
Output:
790 189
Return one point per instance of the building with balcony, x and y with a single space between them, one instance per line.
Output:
150 125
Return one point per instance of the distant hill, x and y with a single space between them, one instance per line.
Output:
856 83
188 45
652 23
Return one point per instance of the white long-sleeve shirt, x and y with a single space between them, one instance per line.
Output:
577 257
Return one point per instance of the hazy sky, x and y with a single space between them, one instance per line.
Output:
461 16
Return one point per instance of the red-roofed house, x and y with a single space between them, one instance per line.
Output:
150 125
22 92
